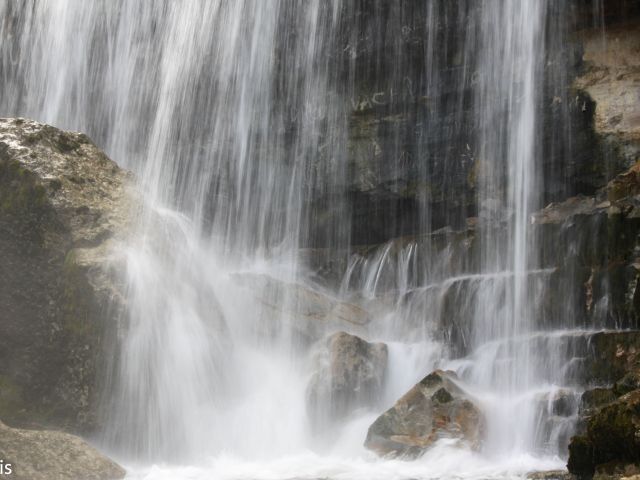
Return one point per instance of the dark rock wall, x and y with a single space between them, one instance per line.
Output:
410 69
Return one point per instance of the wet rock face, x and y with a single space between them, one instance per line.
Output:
592 242
45 455
435 408
350 375
407 110
63 204
409 85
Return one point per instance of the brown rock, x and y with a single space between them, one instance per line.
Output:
433 409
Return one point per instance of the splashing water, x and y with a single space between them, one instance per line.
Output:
237 118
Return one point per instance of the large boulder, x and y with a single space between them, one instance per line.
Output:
47 455
436 408
350 374
63 207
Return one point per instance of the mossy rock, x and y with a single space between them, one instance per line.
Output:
615 430
596 398
612 435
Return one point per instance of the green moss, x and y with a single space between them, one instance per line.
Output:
61 141
442 396
77 300
11 401
55 185
23 202
66 144
20 191
432 380
15 408
33 137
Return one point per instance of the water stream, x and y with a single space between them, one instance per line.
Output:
237 118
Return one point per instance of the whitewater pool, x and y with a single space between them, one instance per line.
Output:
442 462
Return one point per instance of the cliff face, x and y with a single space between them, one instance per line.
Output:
63 204
409 75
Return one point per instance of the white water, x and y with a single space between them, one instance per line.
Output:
234 115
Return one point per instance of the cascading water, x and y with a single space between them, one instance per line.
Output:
238 118
509 89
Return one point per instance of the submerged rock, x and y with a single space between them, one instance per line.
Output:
350 375
63 204
434 409
47 455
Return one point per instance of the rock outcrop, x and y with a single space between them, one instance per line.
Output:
350 374
611 440
63 204
434 409
611 78
47 455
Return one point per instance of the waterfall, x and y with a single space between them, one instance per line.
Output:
243 122
509 91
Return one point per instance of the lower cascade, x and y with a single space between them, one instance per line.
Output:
327 239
